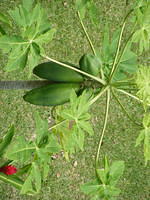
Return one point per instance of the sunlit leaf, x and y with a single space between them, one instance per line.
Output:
20 151
143 84
6 140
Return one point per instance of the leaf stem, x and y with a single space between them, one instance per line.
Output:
104 128
124 110
90 42
118 47
87 36
76 69
54 126
99 95
131 95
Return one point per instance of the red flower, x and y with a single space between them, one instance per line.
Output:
8 170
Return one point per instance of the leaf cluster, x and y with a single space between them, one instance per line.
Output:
104 186
35 156
76 121
35 31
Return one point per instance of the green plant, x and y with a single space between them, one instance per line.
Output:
115 70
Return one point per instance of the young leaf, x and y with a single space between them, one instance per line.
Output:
6 140
104 186
116 171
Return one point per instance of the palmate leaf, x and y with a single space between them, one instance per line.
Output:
35 31
104 184
77 122
142 35
143 84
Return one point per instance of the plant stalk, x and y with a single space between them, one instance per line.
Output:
23 85
104 128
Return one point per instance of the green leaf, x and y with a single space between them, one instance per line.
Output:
6 140
20 151
12 180
15 15
143 84
146 120
34 57
77 122
41 127
102 175
18 60
145 137
27 4
93 12
9 42
91 188
52 146
33 182
2 31
23 170
81 6
116 171
140 138
142 34
128 65
46 37
5 19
